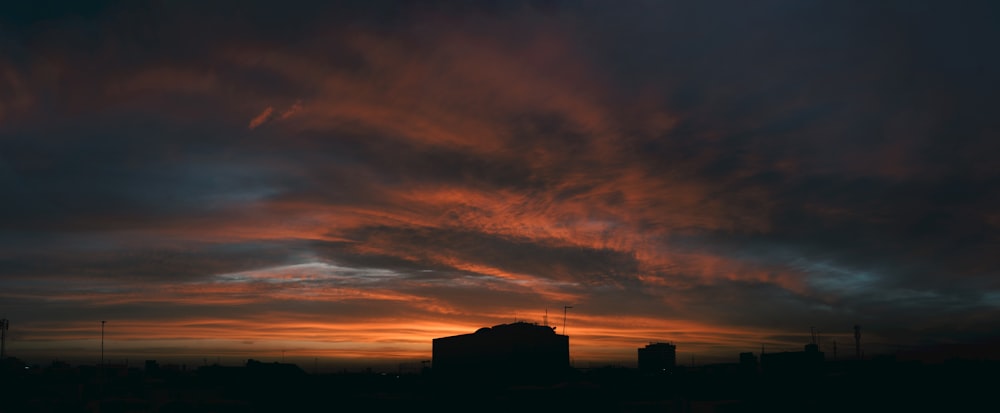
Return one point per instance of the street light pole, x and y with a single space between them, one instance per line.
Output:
102 341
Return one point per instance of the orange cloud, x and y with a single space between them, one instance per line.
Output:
292 110
261 118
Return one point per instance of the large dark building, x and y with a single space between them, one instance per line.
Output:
507 350
793 364
658 357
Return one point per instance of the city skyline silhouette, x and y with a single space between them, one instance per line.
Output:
338 184
519 365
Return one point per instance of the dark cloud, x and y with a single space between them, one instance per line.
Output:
96 269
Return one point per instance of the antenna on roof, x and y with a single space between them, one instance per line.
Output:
565 307
546 319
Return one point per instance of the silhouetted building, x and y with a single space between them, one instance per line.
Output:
274 368
507 350
748 362
658 357
793 363
749 365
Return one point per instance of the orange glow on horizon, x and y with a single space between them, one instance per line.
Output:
592 338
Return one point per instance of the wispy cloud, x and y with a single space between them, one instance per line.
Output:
261 118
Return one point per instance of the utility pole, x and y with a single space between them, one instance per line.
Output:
102 341
4 325
565 307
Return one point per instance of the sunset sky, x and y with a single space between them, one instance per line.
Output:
345 181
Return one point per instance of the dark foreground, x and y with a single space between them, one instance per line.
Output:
258 387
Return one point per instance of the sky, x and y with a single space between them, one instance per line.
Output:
343 182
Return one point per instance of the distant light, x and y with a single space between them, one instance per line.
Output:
26 367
